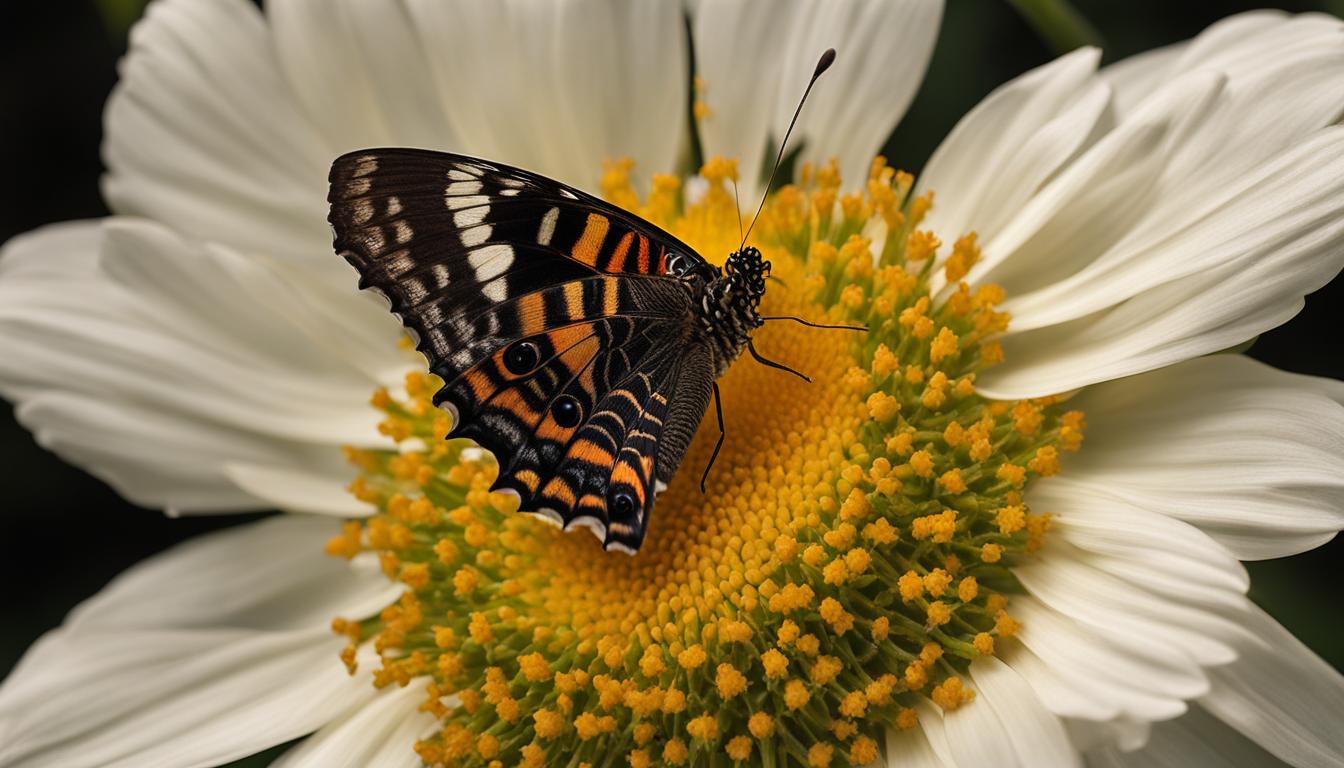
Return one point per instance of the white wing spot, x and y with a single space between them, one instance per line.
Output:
393 205
570 195
366 165
547 229
463 188
491 261
476 235
597 527
363 212
404 231
457 174
547 514
440 272
470 217
497 290
619 547
374 240
509 192
458 202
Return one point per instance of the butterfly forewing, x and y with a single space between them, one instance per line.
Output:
558 322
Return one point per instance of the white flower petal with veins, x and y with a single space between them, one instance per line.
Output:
882 48
210 652
1247 454
484 54
1185 222
373 735
1281 695
154 362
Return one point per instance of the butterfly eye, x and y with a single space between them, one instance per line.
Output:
622 505
521 358
567 412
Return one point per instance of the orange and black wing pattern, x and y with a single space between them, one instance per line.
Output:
556 320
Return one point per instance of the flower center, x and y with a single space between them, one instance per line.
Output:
852 553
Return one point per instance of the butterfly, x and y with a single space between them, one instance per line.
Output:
577 342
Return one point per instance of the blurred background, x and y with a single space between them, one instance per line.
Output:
66 534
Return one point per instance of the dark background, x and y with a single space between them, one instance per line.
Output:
65 534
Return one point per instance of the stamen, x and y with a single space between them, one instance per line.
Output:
853 552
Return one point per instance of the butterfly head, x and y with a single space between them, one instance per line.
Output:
746 272
729 302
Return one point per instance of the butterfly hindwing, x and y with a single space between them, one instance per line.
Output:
608 471
522 293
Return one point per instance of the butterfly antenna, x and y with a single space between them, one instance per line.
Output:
738 204
811 324
771 363
823 64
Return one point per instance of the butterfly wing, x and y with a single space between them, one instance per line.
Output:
633 445
556 320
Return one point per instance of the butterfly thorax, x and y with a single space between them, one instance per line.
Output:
727 305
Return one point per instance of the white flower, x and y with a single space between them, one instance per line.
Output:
202 350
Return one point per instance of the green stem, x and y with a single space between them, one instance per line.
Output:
1058 23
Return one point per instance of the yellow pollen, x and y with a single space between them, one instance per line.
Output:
738 748
906 719
868 510
704 728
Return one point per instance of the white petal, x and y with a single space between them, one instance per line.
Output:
297 490
935 732
882 49
1133 79
381 733
212 651
1283 696
268 575
1099 196
560 87
1063 579
1004 149
731 36
998 734
910 749
156 362
159 457
1066 697
1123 671
1126 541
202 131
1194 739
360 72
1036 734
1121 733
1142 253
1246 221
1248 454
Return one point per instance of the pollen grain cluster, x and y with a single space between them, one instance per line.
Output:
851 556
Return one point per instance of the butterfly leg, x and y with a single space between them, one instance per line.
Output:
771 363
718 411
